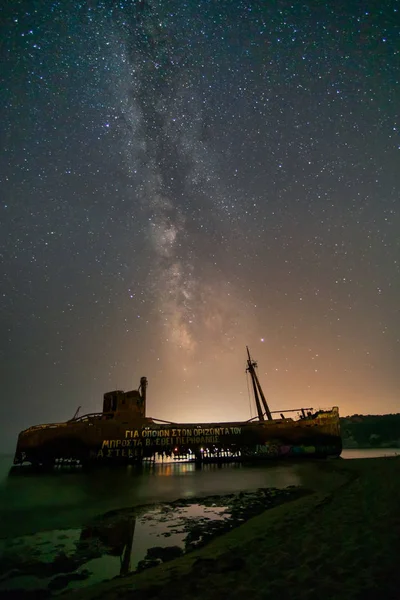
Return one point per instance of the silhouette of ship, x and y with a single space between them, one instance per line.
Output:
122 433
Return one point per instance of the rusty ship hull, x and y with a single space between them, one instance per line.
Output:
102 441
122 433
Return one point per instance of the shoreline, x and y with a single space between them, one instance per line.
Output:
341 541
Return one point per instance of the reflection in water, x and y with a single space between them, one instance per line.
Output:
56 500
370 452
115 538
119 542
70 557
34 502
63 528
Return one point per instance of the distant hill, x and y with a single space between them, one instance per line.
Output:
371 431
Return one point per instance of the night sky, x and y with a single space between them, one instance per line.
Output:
180 179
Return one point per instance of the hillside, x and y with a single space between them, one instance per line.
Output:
371 431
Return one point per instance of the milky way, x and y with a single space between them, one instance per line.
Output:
181 179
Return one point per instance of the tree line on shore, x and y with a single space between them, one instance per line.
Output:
371 431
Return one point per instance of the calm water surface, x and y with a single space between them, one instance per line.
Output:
370 453
33 502
93 526
67 529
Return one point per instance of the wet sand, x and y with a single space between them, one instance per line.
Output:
341 541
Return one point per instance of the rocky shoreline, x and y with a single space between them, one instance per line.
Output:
239 508
341 541
191 524
337 537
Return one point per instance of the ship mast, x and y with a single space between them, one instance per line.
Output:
257 389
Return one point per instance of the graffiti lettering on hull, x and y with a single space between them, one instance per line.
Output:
107 452
164 439
281 450
182 433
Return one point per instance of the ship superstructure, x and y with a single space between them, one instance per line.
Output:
123 433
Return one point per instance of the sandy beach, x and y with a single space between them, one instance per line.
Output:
340 541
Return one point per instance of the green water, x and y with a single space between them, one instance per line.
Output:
45 518
31 502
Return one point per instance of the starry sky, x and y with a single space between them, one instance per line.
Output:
180 179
